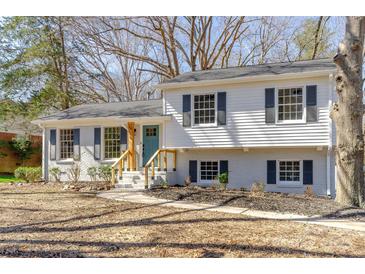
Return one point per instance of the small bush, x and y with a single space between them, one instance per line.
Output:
223 180
28 174
187 181
164 183
55 172
105 173
258 188
216 186
92 172
73 173
309 193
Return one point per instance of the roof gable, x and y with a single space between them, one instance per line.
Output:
251 71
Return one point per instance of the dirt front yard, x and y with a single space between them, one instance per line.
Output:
265 201
44 221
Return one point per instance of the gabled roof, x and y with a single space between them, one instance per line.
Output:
270 69
134 109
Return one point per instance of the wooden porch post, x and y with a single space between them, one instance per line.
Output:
132 158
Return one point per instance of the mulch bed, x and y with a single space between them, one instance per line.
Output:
267 201
46 221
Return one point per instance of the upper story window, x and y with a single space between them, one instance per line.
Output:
66 143
204 109
290 104
111 142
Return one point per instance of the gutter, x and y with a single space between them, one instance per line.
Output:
245 79
99 120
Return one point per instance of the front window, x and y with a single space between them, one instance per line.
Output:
290 104
66 143
204 109
111 142
208 170
289 171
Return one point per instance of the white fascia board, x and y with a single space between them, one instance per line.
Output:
246 79
259 146
99 121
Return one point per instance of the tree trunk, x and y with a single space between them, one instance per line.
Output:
347 113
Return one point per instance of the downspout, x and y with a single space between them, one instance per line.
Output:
330 136
44 162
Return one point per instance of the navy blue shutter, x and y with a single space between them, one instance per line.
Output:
270 105
123 138
52 141
311 103
308 172
193 171
271 172
76 136
97 143
223 166
187 110
222 105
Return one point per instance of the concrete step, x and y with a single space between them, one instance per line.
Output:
135 180
130 186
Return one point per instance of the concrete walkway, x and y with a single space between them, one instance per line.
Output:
140 197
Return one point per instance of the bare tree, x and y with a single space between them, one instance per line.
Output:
104 75
195 42
347 113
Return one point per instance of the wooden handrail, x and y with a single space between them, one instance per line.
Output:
151 162
124 154
120 159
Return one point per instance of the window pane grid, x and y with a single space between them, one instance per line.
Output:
204 109
208 170
112 142
66 144
290 104
151 131
289 171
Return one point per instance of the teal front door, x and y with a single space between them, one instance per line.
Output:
150 142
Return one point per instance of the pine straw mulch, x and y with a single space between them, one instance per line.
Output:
267 201
44 221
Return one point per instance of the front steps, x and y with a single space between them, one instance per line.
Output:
134 180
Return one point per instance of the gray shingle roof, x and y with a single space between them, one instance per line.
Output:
254 70
150 108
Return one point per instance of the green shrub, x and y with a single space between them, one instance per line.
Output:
21 173
93 173
105 173
223 179
28 174
164 184
55 172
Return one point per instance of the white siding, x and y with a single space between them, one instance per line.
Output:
248 167
86 153
246 125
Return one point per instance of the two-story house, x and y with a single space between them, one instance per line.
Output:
266 123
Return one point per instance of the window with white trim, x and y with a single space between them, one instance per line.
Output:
204 109
290 104
208 170
66 144
289 171
111 142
